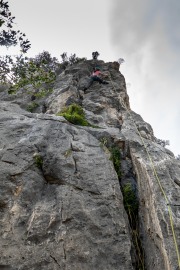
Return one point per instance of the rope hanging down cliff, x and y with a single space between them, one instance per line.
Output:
155 174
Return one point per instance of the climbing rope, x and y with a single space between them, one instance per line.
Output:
155 174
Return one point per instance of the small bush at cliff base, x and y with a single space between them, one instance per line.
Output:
75 115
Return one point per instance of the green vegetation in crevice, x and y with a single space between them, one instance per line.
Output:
131 206
38 160
32 106
74 114
116 159
68 153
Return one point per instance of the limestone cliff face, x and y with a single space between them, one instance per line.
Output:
61 204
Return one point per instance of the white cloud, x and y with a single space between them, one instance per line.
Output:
145 34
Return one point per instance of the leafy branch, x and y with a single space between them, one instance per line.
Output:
8 35
20 71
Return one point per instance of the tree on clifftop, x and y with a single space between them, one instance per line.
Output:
95 55
8 35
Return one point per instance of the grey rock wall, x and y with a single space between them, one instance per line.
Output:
66 214
67 211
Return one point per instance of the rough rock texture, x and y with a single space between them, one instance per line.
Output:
67 213
158 174
61 205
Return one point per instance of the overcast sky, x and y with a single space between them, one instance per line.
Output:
146 33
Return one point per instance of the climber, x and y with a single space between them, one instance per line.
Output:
96 76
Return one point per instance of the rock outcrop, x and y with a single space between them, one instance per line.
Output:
61 202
